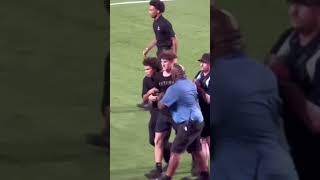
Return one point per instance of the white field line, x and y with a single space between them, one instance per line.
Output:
133 2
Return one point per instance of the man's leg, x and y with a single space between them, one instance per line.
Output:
205 144
163 130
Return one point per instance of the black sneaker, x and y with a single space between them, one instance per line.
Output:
153 174
164 177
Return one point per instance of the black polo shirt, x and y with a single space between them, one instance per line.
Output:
164 32
162 83
147 84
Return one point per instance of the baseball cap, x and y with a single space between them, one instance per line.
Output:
205 58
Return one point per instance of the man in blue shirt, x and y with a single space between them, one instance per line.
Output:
246 130
182 100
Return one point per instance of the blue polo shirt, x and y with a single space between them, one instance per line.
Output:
182 100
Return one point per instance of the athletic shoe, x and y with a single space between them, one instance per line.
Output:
153 174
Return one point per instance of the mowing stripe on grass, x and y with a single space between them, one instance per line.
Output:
132 2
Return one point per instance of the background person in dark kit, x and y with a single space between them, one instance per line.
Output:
165 37
182 100
246 129
151 67
202 80
163 80
295 60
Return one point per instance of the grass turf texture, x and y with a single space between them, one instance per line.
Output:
51 73
130 32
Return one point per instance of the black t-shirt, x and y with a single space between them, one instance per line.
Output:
147 84
162 83
163 32
204 81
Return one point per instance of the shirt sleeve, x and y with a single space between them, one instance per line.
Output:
168 28
170 97
156 80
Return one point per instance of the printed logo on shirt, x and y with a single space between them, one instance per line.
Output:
166 83
158 28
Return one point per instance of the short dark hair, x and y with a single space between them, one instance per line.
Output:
158 5
153 62
168 55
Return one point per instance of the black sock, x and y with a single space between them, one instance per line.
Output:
159 166
167 152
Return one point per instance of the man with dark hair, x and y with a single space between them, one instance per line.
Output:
295 60
247 139
165 37
151 67
182 100
202 80
163 126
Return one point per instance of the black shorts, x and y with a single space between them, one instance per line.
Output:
164 122
160 49
187 137
152 124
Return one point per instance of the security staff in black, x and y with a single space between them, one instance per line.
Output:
295 60
165 37
202 80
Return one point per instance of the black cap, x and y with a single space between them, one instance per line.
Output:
158 5
306 2
205 58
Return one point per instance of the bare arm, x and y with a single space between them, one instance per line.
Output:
160 106
151 45
204 95
145 97
174 44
